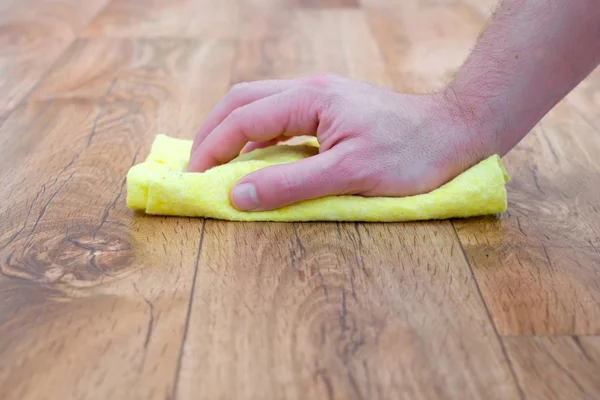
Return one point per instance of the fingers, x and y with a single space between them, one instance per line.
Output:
293 112
240 95
280 185
261 145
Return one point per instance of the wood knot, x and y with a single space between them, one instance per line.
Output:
84 258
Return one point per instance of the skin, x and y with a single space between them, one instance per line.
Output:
377 142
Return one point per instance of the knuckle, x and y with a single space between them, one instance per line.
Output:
237 90
287 186
238 87
330 76
235 120
331 101
236 116
324 80
323 96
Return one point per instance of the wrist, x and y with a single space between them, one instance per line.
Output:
457 136
482 122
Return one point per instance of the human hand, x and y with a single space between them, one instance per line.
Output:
373 141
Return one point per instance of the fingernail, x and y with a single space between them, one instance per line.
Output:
244 197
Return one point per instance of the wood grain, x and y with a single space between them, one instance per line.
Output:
20 135
424 42
305 42
167 18
585 99
556 368
334 310
338 311
82 283
30 42
99 302
87 286
177 81
537 265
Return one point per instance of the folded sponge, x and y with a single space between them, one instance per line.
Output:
161 186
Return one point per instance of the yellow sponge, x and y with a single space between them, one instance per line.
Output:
161 186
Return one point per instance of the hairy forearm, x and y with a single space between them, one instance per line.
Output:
531 54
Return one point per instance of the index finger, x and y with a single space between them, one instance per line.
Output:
240 95
290 113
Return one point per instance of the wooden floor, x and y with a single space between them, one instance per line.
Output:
96 303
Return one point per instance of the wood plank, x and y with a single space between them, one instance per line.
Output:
338 311
334 310
297 43
82 280
537 265
424 43
556 368
94 299
585 98
179 80
30 42
167 18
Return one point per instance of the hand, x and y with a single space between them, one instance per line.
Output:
373 142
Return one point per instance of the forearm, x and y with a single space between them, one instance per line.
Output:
531 54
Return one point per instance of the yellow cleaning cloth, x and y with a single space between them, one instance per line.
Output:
161 186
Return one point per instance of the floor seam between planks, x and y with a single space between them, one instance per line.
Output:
188 313
489 314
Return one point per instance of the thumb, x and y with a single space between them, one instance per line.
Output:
280 185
